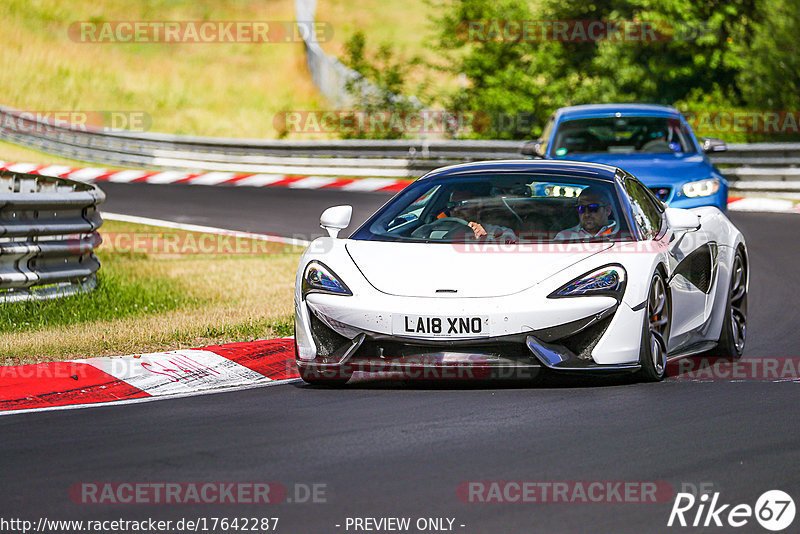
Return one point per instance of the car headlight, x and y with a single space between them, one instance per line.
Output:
608 280
319 278
701 188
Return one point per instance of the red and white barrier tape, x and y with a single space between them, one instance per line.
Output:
388 185
95 174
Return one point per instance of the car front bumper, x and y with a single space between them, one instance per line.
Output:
589 334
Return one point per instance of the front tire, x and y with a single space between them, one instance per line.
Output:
655 332
733 336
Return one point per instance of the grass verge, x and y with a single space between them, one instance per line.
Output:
153 298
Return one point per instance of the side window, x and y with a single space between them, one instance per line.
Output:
645 212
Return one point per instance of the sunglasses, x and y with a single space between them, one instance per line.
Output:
590 208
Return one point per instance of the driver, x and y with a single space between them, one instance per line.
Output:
594 212
465 205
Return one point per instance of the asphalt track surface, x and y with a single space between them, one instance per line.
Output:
398 449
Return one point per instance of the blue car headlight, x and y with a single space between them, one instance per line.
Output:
701 188
319 278
608 280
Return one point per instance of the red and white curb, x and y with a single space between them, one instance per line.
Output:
142 377
776 205
95 174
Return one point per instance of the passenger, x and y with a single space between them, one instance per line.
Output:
594 211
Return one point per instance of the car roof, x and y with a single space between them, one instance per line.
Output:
582 169
613 110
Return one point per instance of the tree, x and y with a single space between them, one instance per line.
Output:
695 48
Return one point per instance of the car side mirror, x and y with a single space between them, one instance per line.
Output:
335 219
532 149
682 220
712 144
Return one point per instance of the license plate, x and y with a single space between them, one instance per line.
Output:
437 325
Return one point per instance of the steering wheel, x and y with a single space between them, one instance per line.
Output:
450 225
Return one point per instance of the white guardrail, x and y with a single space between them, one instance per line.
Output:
756 166
48 232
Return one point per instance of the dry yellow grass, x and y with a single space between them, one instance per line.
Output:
17 154
233 298
231 90
406 26
219 89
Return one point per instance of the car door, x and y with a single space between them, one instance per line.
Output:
685 281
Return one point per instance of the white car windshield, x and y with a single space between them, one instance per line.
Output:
509 208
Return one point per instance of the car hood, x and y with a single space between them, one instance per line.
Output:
655 169
463 270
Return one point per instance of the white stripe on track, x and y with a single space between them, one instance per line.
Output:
260 180
213 178
54 170
23 167
367 184
124 177
86 174
313 182
206 229
179 371
167 177
762 205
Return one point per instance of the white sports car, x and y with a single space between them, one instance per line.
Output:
508 267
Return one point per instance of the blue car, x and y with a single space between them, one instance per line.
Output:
654 143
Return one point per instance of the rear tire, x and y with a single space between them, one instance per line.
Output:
733 336
655 331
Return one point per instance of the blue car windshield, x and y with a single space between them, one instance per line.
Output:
505 208
621 135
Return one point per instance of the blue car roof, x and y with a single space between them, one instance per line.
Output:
611 110
576 168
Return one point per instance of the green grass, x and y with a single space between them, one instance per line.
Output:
157 301
119 293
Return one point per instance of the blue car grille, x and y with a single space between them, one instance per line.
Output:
661 192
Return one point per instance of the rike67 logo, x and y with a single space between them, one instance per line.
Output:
774 510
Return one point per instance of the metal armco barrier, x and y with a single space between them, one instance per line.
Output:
47 236
757 166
